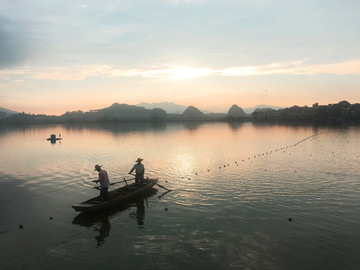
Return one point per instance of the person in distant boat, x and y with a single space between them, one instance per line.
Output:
139 172
104 182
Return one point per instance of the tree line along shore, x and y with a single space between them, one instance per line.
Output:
339 112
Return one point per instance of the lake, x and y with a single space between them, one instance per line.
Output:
244 196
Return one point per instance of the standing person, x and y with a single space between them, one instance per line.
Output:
104 182
139 172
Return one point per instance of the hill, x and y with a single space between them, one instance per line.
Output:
2 109
193 113
167 106
236 111
262 106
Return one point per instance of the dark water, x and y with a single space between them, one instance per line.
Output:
245 197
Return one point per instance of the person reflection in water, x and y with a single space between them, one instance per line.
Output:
139 172
104 182
104 231
140 212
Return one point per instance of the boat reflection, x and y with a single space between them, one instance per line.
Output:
100 222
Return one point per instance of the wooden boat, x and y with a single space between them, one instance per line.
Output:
115 197
93 219
53 138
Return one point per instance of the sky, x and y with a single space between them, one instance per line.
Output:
62 55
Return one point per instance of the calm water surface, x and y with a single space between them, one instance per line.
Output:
244 197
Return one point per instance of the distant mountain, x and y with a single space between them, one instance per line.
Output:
167 106
342 111
123 111
7 111
116 112
236 111
173 108
263 110
193 113
262 106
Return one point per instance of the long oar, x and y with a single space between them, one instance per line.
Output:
157 184
166 192
122 181
163 187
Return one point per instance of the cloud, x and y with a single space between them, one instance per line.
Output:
178 72
343 68
76 73
289 68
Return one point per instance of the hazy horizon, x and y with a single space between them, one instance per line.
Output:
63 56
169 107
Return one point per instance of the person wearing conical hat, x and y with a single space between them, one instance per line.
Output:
104 182
139 172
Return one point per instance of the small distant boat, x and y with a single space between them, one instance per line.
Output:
53 138
115 197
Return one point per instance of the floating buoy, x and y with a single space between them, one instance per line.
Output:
166 209
21 226
50 218
290 219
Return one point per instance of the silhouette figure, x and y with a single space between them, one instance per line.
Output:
104 231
